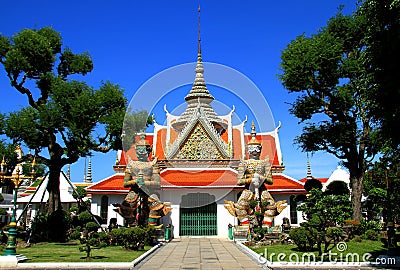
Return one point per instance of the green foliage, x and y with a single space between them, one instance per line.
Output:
134 238
85 216
89 237
312 183
253 203
59 223
329 74
372 235
40 228
371 225
81 193
1 197
324 212
2 210
382 182
382 36
337 188
304 238
73 209
52 227
334 234
75 235
117 236
66 119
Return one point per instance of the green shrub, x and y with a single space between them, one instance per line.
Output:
75 235
59 223
117 236
150 232
370 225
3 211
335 233
372 235
74 209
134 238
51 228
304 238
357 239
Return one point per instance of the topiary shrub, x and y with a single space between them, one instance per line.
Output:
304 238
90 238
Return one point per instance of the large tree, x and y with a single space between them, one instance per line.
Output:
328 72
66 119
382 36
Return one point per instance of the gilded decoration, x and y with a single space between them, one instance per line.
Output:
198 145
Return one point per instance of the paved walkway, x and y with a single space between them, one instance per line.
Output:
199 253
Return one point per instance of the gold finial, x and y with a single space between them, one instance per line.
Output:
33 167
253 134
3 166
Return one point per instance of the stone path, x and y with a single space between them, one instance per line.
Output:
199 253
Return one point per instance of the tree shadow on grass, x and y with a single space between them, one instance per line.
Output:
92 258
67 244
297 249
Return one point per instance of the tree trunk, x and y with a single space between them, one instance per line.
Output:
53 187
357 185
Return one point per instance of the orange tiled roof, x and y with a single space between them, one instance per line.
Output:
197 178
172 177
112 183
282 181
322 180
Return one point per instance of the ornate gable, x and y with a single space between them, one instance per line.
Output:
198 145
199 140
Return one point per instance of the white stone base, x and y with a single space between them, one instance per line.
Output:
8 262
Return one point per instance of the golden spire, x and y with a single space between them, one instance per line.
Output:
253 133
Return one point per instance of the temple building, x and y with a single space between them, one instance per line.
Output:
197 154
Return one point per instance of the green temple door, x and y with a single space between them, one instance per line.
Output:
198 215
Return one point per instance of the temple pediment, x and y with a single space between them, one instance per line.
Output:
199 140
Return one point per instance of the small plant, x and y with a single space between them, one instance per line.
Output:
371 235
357 239
253 203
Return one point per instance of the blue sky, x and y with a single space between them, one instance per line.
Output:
131 41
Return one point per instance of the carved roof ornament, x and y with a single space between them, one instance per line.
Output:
190 142
199 93
253 133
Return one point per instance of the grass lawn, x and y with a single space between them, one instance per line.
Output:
69 252
375 248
